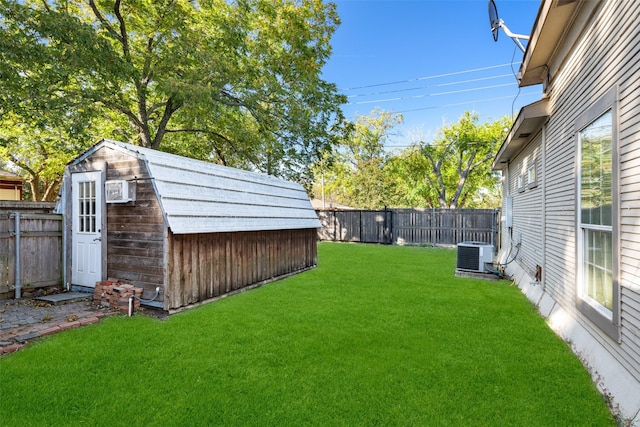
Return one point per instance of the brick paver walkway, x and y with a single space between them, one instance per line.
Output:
24 320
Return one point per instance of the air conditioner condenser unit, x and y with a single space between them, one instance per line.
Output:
475 256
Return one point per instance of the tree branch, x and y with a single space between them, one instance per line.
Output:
104 20
206 131
170 108
486 157
128 113
155 107
217 149
463 174
124 38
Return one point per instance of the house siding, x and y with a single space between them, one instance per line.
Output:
599 51
527 202
594 65
603 62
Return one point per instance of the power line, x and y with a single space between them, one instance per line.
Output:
454 73
464 103
430 86
428 94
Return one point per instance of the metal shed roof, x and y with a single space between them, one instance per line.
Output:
202 197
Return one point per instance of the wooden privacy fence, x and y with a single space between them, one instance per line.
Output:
410 226
30 244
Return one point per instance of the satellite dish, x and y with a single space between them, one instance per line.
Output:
494 20
497 23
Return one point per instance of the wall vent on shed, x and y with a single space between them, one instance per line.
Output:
118 191
474 256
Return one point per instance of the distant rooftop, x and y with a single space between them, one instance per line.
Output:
10 175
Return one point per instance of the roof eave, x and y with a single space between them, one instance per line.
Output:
529 121
552 22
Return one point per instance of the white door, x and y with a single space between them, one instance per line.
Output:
86 234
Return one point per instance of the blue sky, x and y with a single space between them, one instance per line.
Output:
430 60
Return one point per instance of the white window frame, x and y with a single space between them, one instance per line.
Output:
532 175
520 183
606 319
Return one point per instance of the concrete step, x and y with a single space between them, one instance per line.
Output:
65 297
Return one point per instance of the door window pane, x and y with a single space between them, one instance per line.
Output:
87 204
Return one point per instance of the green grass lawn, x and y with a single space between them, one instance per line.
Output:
376 335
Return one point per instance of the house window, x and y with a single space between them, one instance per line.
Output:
531 176
597 272
520 183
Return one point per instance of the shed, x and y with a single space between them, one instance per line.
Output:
195 229
10 186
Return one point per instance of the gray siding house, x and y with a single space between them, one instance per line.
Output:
194 229
571 186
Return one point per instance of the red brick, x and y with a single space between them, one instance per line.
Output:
11 348
52 330
89 320
69 325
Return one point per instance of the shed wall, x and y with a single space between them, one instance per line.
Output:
204 266
135 231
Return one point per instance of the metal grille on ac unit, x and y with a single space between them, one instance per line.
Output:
474 256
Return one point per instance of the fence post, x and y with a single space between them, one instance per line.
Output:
388 225
495 219
385 228
18 281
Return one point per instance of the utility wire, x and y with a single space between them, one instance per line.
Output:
454 73
429 94
430 86
462 103
513 103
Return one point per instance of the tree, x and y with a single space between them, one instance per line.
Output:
357 175
407 171
459 161
42 148
236 82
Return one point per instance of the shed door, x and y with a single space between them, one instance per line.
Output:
86 235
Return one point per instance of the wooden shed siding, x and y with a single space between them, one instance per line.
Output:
597 62
204 266
135 231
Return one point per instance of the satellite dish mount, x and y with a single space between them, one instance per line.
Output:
497 23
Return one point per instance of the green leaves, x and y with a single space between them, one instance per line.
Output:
459 161
235 82
356 175
452 171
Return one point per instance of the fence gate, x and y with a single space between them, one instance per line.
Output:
30 252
